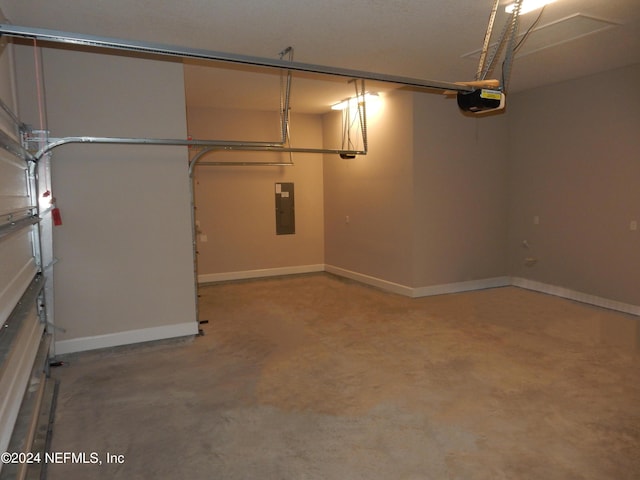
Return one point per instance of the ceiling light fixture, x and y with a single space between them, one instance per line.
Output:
528 6
352 103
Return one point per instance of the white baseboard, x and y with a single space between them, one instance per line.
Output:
481 284
575 295
465 286
420 291
191 328
125 338
369 280
385 285
266 272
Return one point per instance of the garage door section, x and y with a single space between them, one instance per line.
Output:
24 343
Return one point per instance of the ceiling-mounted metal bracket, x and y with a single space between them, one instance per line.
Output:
491 98
349 117
505 43
285 101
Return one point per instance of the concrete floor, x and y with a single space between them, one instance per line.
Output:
314 377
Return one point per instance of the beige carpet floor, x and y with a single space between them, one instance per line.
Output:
318 378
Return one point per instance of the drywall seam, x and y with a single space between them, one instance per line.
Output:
265 272
125 338
575 295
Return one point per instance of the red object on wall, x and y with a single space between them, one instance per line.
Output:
57 218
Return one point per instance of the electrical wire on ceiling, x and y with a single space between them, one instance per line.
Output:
488 60
507 39
505 77
509 55
529 30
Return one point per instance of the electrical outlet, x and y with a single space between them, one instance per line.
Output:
536 220
633 225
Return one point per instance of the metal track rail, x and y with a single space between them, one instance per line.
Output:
58 142
207 144
79 39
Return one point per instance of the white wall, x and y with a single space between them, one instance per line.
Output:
460 193
375 192
575 166
125 259
236 205
428 205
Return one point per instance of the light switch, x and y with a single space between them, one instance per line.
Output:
633 225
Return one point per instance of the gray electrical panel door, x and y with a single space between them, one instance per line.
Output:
285 209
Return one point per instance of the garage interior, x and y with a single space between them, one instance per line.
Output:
459 302
317 376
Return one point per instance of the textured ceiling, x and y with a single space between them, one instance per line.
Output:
425 39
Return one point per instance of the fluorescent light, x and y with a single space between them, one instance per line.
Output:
352 103
528 6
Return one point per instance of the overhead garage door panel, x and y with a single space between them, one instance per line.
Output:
18 269
16 249
21 298
14 195
16 365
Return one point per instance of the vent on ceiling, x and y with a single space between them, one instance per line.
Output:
556 33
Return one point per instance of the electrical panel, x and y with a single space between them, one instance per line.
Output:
285 209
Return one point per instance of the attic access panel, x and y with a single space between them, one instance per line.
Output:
285 209
556 33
